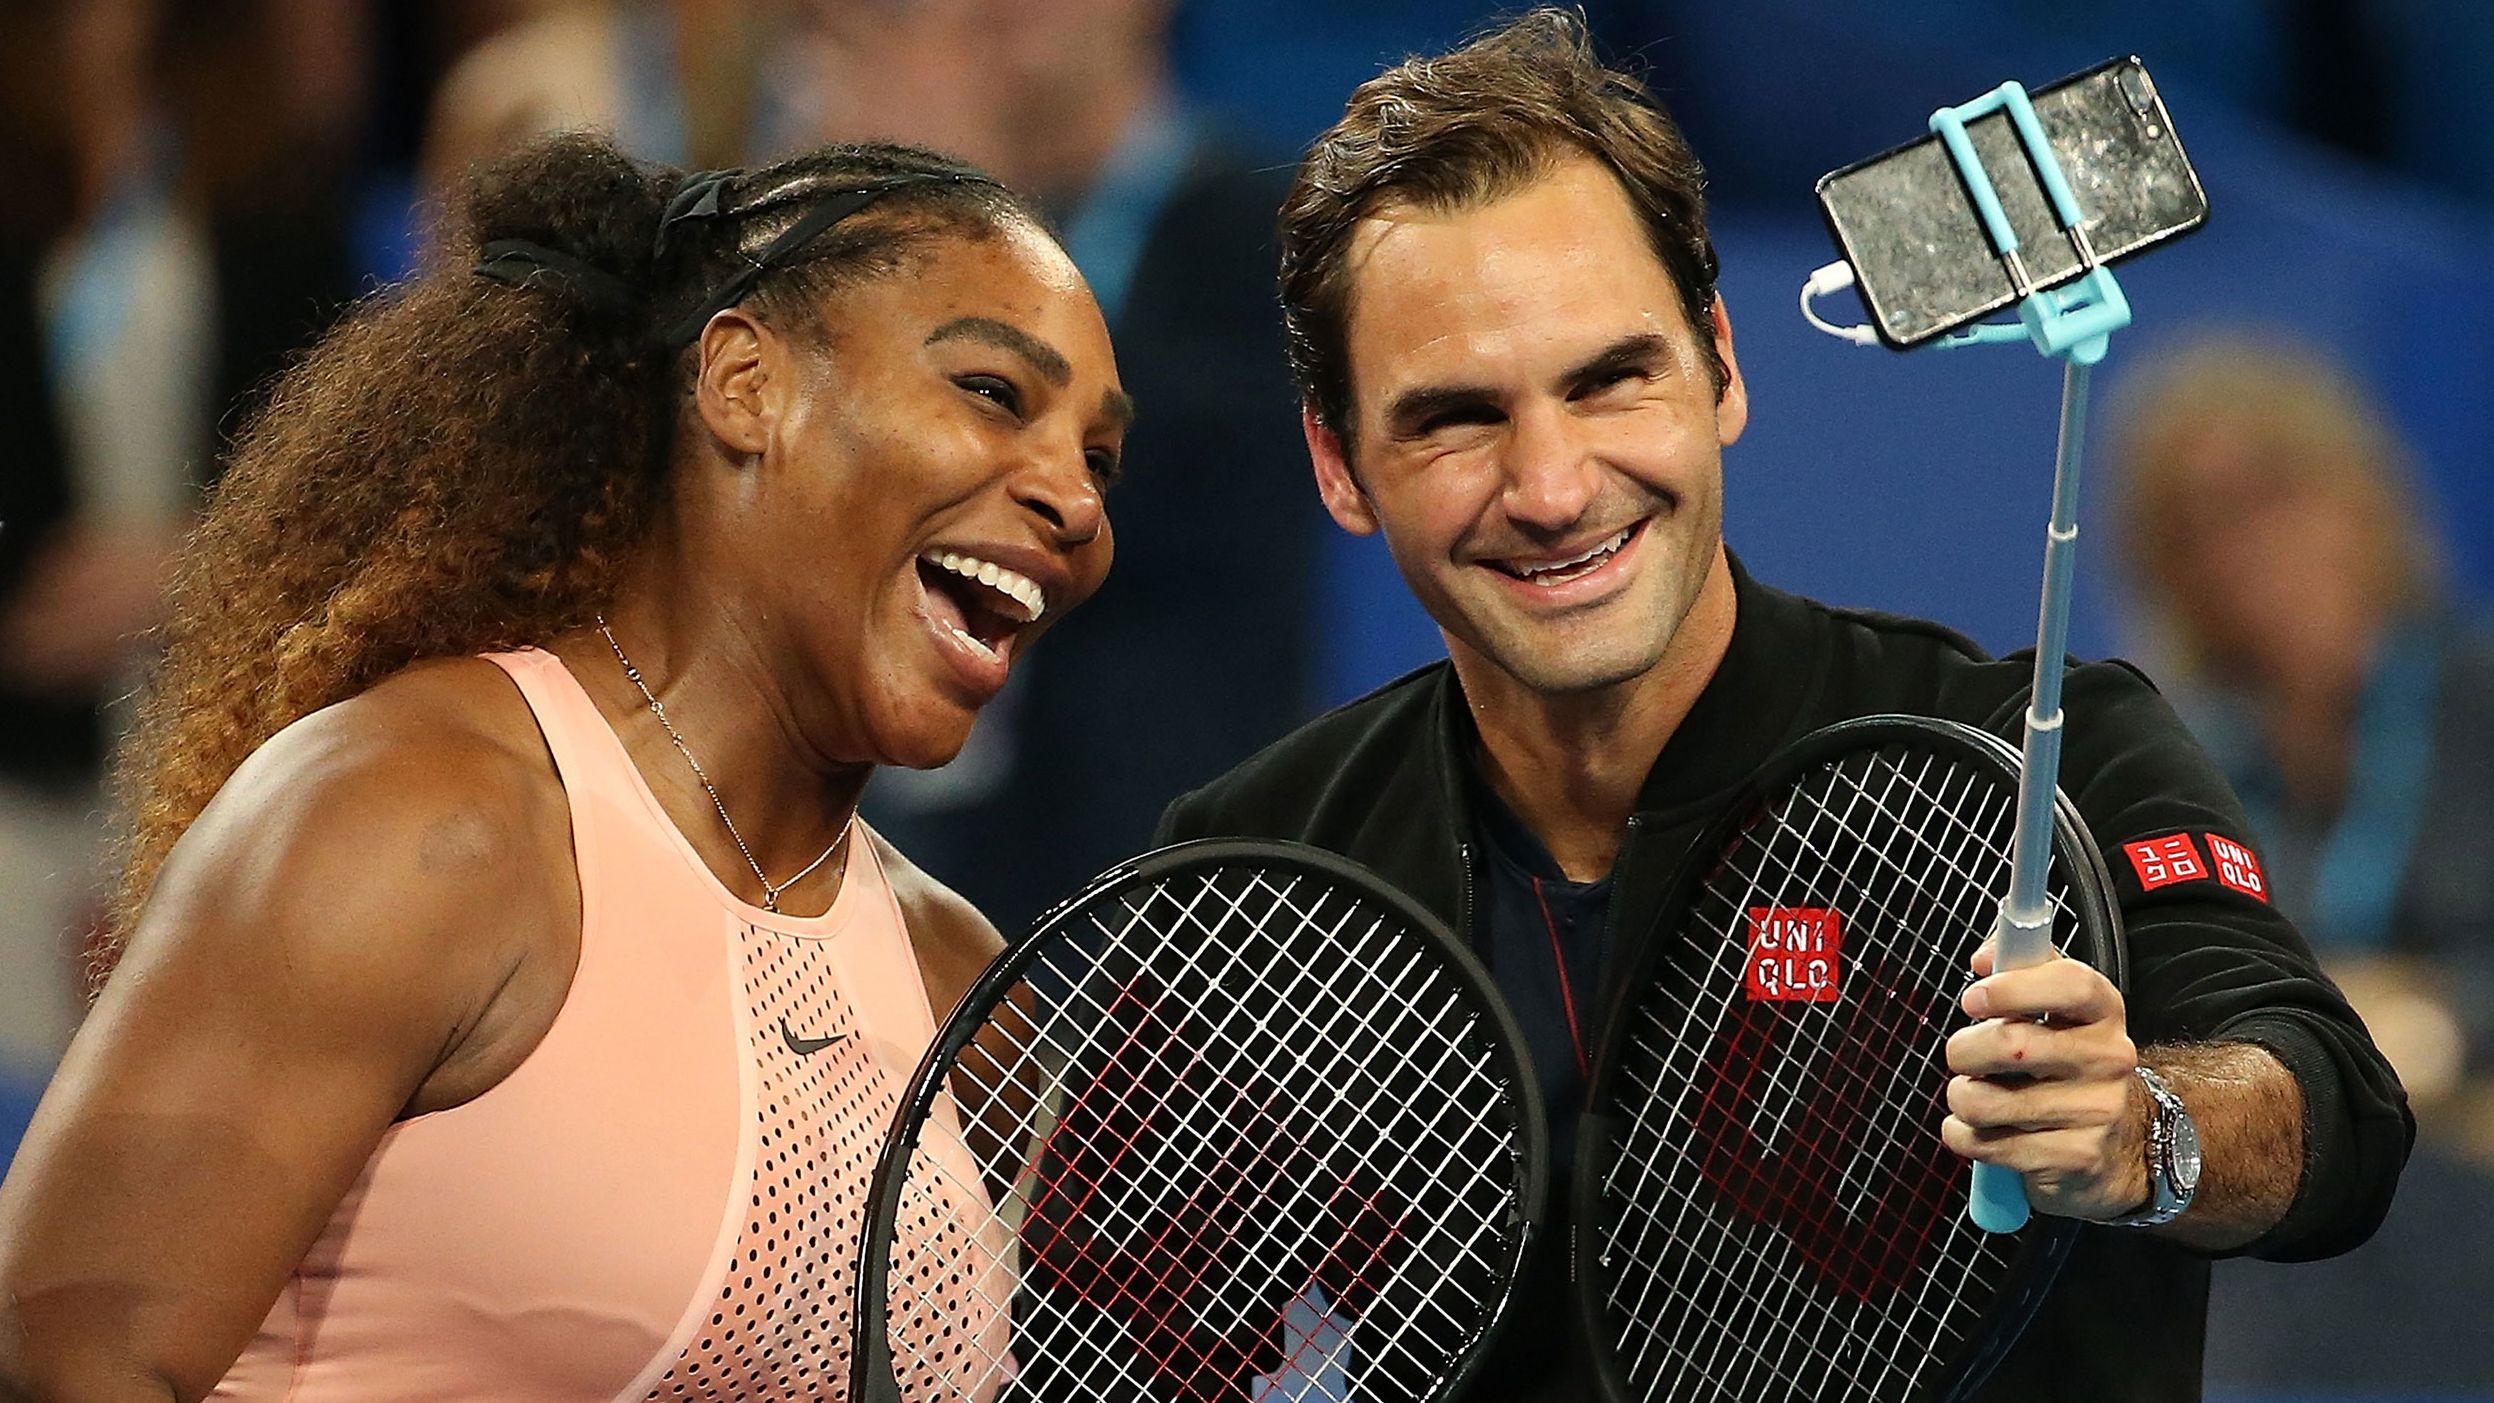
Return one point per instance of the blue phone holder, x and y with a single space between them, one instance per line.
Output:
2074 319
2073 322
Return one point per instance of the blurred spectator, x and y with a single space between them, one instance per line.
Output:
46 743
194 159
2297 590
2295 597
1197 651
699 83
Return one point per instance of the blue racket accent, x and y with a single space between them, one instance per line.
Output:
2073 322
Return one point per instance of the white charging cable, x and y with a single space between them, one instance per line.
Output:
1835 277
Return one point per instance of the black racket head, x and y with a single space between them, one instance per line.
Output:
1238 1121
1764 1209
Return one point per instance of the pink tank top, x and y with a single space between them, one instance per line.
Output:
664 1200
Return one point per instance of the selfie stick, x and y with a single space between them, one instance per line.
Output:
2072 322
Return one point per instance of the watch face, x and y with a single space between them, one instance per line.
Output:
2186 1153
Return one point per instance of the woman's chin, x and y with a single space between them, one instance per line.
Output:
928 743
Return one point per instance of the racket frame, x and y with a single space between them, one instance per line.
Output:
872 1378
2045 1243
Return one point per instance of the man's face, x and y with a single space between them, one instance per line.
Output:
1537 434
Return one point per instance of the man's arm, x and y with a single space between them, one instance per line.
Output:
2250 1109
2303 1126
2047 1085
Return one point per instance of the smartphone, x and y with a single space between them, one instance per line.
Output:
1920 257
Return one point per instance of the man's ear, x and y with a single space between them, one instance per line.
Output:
1731 406
1343 497
733 386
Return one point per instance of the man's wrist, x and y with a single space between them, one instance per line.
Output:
2170 1158
2138 1121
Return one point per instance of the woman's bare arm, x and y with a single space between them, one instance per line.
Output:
330 946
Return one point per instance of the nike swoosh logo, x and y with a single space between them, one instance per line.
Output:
805 1047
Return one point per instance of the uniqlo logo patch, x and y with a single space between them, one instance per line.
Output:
2161 862
2236 867
1796 954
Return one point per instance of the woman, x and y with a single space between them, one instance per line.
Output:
524 1025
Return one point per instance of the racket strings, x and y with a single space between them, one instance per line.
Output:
1207 1173
1876 1032
1436 1073
1267 1069
1087 1171
1171 1180
1737 1332
1764 1286
1717 1259
1860 1051
1874 1052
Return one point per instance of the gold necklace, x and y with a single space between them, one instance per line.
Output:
770 893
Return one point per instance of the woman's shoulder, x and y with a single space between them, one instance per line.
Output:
954 940
405 841
443 756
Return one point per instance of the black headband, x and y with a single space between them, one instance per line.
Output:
701 195
700 198
522 263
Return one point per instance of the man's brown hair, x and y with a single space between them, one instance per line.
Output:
1464 129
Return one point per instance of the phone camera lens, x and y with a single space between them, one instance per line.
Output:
2140 91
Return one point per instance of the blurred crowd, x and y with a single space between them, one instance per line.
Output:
198 187
2293 599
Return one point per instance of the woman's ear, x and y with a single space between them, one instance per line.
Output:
736 389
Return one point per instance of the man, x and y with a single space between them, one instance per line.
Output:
1500 300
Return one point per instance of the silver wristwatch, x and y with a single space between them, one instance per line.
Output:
2173 1158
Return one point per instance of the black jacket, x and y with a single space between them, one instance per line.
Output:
1381 780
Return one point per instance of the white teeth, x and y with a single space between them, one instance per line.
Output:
975 646
1019 588
1556 567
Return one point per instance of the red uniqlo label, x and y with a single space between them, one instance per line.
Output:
1796 953
2161 862
2236 867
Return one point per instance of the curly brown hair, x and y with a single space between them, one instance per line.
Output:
464 465
1462 129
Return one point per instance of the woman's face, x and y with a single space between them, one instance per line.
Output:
928 496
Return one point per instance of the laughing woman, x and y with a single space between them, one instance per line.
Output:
508 1002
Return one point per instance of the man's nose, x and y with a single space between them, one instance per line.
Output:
1551 477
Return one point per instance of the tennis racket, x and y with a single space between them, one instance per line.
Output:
1238 1121
1765 1211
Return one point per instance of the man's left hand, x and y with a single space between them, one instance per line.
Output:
2046 1085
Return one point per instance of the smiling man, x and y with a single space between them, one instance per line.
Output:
1514 366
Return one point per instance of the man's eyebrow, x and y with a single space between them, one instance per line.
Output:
1632 352
1414 407
1005 336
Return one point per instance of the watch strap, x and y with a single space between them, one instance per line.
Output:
2166 1197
